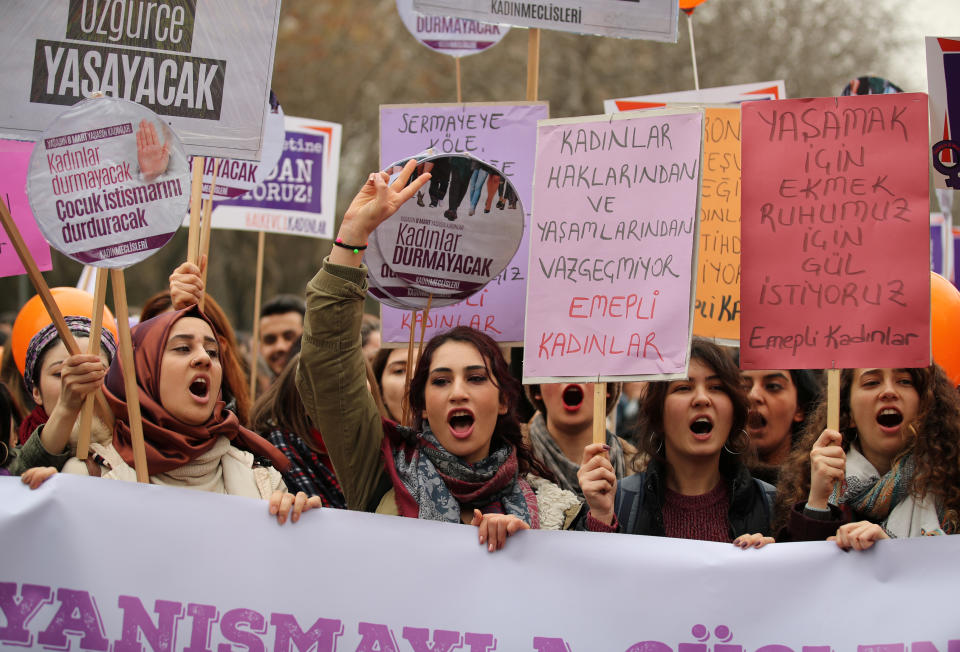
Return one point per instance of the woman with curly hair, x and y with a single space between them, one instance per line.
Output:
892 470
697 484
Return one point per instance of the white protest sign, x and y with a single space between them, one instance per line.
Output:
736 94
654 20
204 66
203 583
456 37
108 183
299 195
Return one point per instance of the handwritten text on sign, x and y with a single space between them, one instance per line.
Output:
835 233
717 308
614 229
504 135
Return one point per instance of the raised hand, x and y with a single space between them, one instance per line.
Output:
152 157
598 482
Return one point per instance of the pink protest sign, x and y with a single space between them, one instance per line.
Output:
835 215
503 135
613 244
14 161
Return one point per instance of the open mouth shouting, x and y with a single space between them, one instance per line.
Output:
572 397
460 422
701 427
756 421
200 388
890 419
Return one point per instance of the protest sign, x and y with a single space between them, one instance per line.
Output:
835 233
736 94
456 37
108 183
14 161
504 135
166 588
943 84
613 242
941 244
235 177
654 20
299 196
206 67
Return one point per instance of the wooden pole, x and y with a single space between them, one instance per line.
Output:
258 289
93 347
693 52
205 231
41 288
129 375
459 86
423 328
409 374
533 64
833 399
599 413
196 196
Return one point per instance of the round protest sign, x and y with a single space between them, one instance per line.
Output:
391 290
456 37
236 178
108 183
457 233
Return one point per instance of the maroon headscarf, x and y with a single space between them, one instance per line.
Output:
171 443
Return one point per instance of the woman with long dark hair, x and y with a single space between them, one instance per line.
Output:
464 460
891 470
697 484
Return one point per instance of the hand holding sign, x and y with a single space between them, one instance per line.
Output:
152 157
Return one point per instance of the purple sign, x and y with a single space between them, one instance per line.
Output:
504 135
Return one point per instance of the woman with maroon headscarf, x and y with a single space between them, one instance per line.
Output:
191 440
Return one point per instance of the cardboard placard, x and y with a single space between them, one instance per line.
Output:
108 183
14 162
613 246
299 196
736 94
505 136
204 66
836 270
455 37
654 20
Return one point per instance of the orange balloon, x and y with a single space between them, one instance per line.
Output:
690 5
944 317
33 317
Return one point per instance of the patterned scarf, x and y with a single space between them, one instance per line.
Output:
431 483
887 500
564 470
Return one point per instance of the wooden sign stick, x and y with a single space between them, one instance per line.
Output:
205 230
196 196
533 64
423 327
459 87
833 399
599 413
693 52
129 375
409 374
41 288
258 289
93 347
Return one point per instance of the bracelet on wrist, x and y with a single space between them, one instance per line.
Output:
356 248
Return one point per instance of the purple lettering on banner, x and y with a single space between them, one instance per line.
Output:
161 637
823 648
204 616
443 639
87 622
774 648
485 642
295 183
376 638
323 634
649 646
882 647
953 645
230 628
547 644
19 611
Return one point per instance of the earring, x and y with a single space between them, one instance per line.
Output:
659 451
740 452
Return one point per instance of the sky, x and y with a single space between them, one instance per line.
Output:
921 18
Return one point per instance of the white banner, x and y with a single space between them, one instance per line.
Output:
654 20
204 66
94 564
737 94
